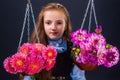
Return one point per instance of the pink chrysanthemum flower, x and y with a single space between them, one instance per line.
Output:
49 53
34 65
25 49
8 67
87 58
101 55
49 64
18 62
37 49
92 59
86 44
98 30
93 50
111 57
78 36
97 39
80 58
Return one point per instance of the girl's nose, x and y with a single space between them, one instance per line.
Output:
54 26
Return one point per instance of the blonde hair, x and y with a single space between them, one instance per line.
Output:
40 23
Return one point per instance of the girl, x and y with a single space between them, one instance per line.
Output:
54 27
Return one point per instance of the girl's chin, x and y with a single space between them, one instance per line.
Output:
53 38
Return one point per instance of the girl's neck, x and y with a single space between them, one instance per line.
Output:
59 44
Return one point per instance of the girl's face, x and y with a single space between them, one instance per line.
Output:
54 23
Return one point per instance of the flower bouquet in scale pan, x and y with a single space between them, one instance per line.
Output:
31 59
91 50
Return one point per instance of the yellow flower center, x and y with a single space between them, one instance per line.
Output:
80 37
49 54
35 66
19 62
24 51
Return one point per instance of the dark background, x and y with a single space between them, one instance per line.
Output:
11 21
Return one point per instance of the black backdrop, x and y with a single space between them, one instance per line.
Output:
11 21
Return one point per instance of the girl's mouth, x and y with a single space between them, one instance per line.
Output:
54 33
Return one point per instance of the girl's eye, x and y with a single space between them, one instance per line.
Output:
48 22
59 22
